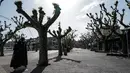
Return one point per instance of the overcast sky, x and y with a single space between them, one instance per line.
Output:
72 13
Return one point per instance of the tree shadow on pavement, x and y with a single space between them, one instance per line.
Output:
38 69
58 58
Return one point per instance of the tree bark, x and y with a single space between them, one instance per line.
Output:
99 45
43 54
2 50
60 48
124 45
106 46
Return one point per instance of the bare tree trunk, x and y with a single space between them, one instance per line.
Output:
99 46
91 45
43 54
106 46
124 45
60 48
65 51
2 50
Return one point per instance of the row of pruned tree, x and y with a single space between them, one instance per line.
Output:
106 24
6 33
69 41
35 21
86 40
65 40
59 36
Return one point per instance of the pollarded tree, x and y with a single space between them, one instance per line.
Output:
111 21
58 35
6 33
87 39
98 25
95 33
69 40
115 20
37 24
84 41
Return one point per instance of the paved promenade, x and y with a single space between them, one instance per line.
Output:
32 57
77 61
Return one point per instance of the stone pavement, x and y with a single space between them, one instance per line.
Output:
2 70
80 61
5 61
85 61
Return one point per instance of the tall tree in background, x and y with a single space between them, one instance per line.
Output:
117 21
99 25
87 39
37 24
69 40
111 21
58 35
84 41
6 33
29 43
17 37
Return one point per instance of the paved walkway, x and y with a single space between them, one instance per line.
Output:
80 61
2 70
5 61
